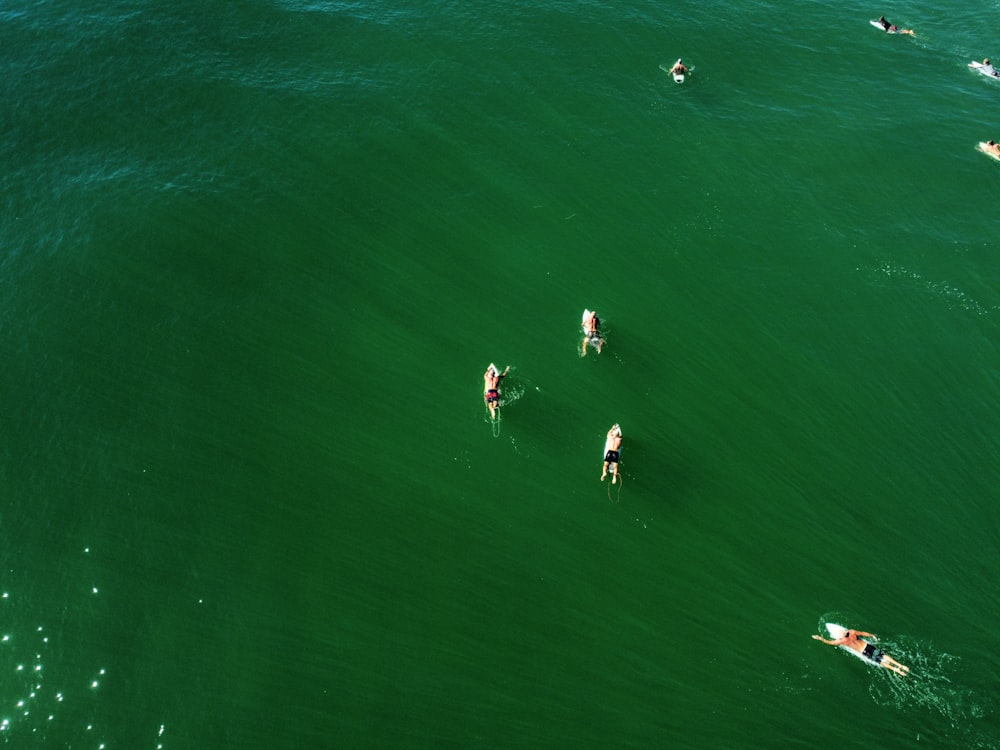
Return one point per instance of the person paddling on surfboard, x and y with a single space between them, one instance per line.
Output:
679 68
612 445
985 67
852 640
491 387
591 332
891 28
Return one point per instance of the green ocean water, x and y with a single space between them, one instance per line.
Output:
256 256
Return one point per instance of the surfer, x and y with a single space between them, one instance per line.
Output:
852 640
679 68
612 445
891 28
591 332
491 387
986 67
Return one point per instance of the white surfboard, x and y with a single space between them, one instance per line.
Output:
986 70
839 631
988 150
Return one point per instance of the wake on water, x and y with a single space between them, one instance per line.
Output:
952 295
933 683
511 395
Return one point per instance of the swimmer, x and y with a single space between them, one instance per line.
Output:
591 332
679 68
868 650
612 445
491 387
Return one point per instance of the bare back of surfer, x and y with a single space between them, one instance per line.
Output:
591 332
852 640
491 387
679 68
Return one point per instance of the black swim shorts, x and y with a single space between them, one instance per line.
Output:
872 653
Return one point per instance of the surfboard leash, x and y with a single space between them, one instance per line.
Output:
618 497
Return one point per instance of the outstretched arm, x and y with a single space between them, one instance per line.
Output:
870 635
829 643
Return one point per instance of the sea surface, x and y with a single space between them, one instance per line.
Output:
255 256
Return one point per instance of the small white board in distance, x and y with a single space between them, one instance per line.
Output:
988 150
986 70
839 631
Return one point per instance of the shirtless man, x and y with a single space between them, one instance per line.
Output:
611 447
992 147
853 641
679 67
491 387
591 333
